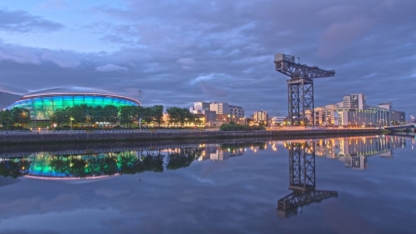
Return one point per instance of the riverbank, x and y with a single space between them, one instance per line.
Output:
135 135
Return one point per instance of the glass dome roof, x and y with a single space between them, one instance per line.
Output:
70 90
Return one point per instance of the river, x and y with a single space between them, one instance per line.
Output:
363 184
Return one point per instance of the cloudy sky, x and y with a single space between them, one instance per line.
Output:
181 51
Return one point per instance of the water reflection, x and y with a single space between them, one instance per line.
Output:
47 165
353 151
96 164
301 180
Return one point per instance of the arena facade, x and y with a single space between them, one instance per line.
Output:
42 104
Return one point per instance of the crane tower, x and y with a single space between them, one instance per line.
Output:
300 87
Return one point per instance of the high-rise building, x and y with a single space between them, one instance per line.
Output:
260 116
209 115
220 108
200 106
386 105
326 115
398 116
354 101
353 110
386 115
236 111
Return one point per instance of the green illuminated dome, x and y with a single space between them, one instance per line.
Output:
42 104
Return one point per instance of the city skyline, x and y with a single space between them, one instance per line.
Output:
178 53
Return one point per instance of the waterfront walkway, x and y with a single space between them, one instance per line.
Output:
163 134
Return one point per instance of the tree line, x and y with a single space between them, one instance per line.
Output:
125 115
14 118
232 126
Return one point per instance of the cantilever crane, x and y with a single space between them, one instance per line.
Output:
301 180
300 87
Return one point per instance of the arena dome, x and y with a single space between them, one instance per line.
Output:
42 104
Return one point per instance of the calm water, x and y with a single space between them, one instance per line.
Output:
369 184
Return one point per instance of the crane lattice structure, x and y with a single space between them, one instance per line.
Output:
301 180
300 87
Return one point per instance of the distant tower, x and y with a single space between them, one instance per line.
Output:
140 95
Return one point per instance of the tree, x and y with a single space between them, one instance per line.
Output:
189 117
78 114
110 113
21 116
183 115
127 115
90 115
174 114
60 116
147 116
181 158
6 119
157 114
98 114
13 168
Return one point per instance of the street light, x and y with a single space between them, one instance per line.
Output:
71 122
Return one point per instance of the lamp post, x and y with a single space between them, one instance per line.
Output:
71 122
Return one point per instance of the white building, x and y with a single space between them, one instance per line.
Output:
353 111
220 108
260 116
200 106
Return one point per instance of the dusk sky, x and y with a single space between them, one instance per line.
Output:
181 51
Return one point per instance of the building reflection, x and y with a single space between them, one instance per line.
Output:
226 151
98 163
302 180
94 164
353 151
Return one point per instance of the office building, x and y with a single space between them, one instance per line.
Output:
236 111
354 101
398 117
219 108
260 116
353 111
200 106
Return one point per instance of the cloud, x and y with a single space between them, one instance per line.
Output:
18 54
110 67
339 36
22 21
191 50
53 5
208 77
27 55
118 40
187 63
60 58
212 90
